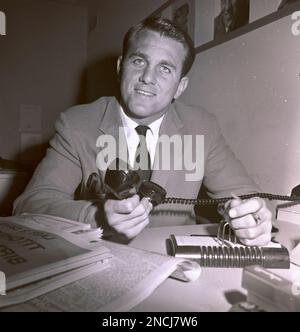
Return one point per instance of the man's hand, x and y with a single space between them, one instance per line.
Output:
251 221
128 217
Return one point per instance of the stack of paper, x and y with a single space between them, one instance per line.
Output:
41 253
72 269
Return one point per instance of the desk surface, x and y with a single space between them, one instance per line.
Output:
217 289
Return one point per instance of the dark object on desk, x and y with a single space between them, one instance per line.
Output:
296 192
235 257
13 179
13 166
290 211
122 182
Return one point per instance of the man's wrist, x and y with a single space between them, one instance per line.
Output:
89 216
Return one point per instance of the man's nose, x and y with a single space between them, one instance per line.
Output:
148 76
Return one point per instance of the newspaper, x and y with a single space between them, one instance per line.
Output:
32 252
132 275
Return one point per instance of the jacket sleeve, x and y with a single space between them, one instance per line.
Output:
52 188
224 173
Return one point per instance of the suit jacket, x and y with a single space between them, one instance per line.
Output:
219 27
59 184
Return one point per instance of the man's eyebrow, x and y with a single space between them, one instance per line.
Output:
144 56
138 54
168 64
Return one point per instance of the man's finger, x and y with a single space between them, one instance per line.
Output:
123 224
253 232
243 222
133 232
262 240
246 207
125 206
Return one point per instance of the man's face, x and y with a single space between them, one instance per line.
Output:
151 75
229 12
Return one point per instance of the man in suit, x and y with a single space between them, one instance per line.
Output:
157 56
234 14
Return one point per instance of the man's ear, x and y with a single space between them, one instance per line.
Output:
119 65
181 87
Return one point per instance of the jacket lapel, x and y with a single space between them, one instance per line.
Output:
111 120
171 125
111 125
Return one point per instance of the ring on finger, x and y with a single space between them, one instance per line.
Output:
256 217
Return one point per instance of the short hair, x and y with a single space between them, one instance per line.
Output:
166 28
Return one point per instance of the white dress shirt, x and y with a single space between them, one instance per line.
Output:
132 136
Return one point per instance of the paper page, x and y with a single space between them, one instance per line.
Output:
53 222
204 240
28 254
132 276
87 240
33 290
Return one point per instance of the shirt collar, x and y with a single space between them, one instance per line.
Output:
130 125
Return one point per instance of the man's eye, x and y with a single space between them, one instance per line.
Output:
138 62
165 69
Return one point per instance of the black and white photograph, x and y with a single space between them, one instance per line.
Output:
286 3
182 12
260 9
204 22
184 15
232 14
149 159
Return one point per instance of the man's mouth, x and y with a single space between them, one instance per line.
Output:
145 93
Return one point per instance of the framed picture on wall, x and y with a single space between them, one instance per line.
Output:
260 9
230 15
180 11
212 22
204 21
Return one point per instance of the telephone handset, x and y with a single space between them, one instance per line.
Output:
121 184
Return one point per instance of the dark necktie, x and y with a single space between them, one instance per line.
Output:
142 160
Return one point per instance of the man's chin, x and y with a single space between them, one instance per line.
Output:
145 116
140 113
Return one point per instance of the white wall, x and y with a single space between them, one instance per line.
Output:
252 85
42 62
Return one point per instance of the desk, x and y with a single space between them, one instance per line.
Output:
217 289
